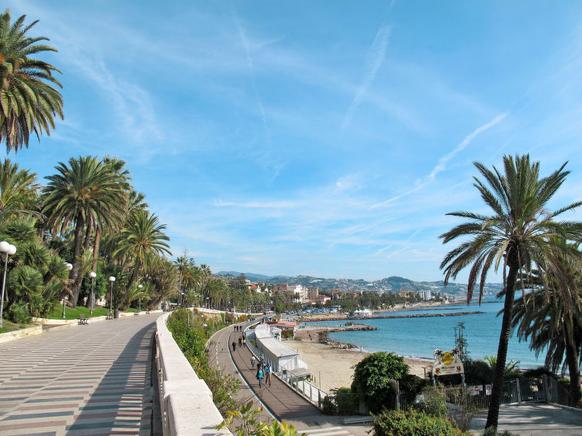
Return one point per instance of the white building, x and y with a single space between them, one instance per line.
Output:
300 294
279 355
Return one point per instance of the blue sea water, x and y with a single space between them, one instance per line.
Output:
420 336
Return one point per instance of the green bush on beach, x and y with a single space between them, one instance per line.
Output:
412 422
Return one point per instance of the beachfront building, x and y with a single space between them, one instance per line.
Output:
281 357
300 294
426 295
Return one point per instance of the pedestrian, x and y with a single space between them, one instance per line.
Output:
233 346
244 340
239 342
268 374
260 375
253 361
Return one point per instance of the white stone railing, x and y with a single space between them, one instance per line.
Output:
185 399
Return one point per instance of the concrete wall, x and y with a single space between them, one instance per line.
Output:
22 333
185 400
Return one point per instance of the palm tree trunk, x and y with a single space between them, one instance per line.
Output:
497 391
76 271
573 365
96 249
132 280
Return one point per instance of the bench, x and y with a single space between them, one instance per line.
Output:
109 316
83 320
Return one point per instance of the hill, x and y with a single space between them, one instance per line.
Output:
388 284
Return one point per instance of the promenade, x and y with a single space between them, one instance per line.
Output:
281 402
82 380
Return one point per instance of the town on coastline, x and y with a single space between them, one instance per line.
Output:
230 116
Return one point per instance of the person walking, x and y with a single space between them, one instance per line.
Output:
239 342
268 371
233 346
260 375
253 361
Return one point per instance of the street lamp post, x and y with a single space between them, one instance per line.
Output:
111 280
8 250
92 274
69 268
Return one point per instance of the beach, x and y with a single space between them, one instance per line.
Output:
335 366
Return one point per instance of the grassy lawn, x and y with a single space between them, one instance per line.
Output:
9 326
57 312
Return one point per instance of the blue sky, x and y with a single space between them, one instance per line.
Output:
314 137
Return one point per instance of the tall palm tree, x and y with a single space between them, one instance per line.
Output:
29 94
551 318
18 190
519 233
83 191
163 279
142 237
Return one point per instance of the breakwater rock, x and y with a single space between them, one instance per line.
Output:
380 316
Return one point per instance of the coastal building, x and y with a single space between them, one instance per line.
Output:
312 294
300 294
407 294
426 295
280 356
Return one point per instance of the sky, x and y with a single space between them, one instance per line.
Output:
327 138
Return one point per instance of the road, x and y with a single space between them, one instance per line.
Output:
79 380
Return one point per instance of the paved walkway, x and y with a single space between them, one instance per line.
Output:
535 419
283 403
82 380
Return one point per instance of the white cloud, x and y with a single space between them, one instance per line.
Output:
444 160
376 54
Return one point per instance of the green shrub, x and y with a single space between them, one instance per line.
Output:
373 378
434 402
478 372
19 313
410 386
328 405
191 332
347 402
412 422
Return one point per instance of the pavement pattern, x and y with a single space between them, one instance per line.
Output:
531 419
80 380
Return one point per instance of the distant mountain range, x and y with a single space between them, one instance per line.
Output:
388 284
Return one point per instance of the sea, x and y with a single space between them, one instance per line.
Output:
419 337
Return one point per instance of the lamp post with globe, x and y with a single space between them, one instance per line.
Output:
111 281
8 250
92 274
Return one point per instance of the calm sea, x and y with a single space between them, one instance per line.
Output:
420 336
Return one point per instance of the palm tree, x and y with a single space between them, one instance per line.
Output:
84 191
18 190
142 237
519 233
551 318
29 95
162 278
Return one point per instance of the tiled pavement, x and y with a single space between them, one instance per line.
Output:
82 380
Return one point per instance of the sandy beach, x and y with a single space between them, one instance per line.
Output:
336 366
